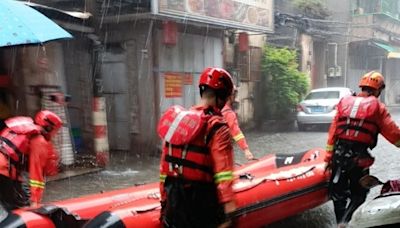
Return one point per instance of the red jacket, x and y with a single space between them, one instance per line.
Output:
214 161
233 123
361 118
42 158
43 161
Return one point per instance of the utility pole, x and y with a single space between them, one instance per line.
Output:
101 145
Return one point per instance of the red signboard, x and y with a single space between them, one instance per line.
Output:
243 41
170 33
187 79
173 85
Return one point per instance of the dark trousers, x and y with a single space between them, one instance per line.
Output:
2 124
191 204
7 194
14 194
346 192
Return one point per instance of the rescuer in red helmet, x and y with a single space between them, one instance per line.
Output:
196 170
27 156
233 123
353 132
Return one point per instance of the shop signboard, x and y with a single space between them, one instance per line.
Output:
252 15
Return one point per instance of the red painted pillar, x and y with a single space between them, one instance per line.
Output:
100 131
101 147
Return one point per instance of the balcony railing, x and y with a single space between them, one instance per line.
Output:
389 8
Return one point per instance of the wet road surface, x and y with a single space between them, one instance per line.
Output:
126 171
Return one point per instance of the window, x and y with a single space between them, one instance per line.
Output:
249 64
332 54
323 95
389 7
255 63
367 6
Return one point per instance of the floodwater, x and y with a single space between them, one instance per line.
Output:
126 171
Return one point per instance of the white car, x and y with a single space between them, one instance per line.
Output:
319 106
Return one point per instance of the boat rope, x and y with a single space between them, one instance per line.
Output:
250 177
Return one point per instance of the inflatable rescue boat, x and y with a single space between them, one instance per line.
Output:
267 190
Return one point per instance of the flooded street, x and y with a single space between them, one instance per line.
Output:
92 79
127 171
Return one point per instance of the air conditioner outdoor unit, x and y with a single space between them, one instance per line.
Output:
338 71
331 72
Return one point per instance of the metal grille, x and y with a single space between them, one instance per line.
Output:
249 64
62 141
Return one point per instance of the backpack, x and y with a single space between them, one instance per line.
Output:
15 138
179 126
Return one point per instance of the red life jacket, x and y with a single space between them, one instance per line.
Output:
14 139
186 134
357 119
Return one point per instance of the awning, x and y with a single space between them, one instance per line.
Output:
392 52
71 20
57 12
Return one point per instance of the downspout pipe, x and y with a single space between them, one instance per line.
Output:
99 117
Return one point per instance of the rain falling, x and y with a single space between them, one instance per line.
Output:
119 110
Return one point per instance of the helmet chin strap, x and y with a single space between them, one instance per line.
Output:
219 102
378 92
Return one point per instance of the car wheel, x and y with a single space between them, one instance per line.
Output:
301 127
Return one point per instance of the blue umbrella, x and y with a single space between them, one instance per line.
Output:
21 24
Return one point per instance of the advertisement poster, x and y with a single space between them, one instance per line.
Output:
246 14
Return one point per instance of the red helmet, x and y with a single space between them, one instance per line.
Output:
373 80
217 79
49 121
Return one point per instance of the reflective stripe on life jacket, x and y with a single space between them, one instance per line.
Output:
223 176
191 160
13 145
14 140
357 119
37 184
179 126
358 125
162 178
238 137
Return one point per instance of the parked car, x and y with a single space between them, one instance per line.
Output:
319 106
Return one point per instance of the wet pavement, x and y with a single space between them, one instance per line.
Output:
126 171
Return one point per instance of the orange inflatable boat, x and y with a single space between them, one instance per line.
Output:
267 190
